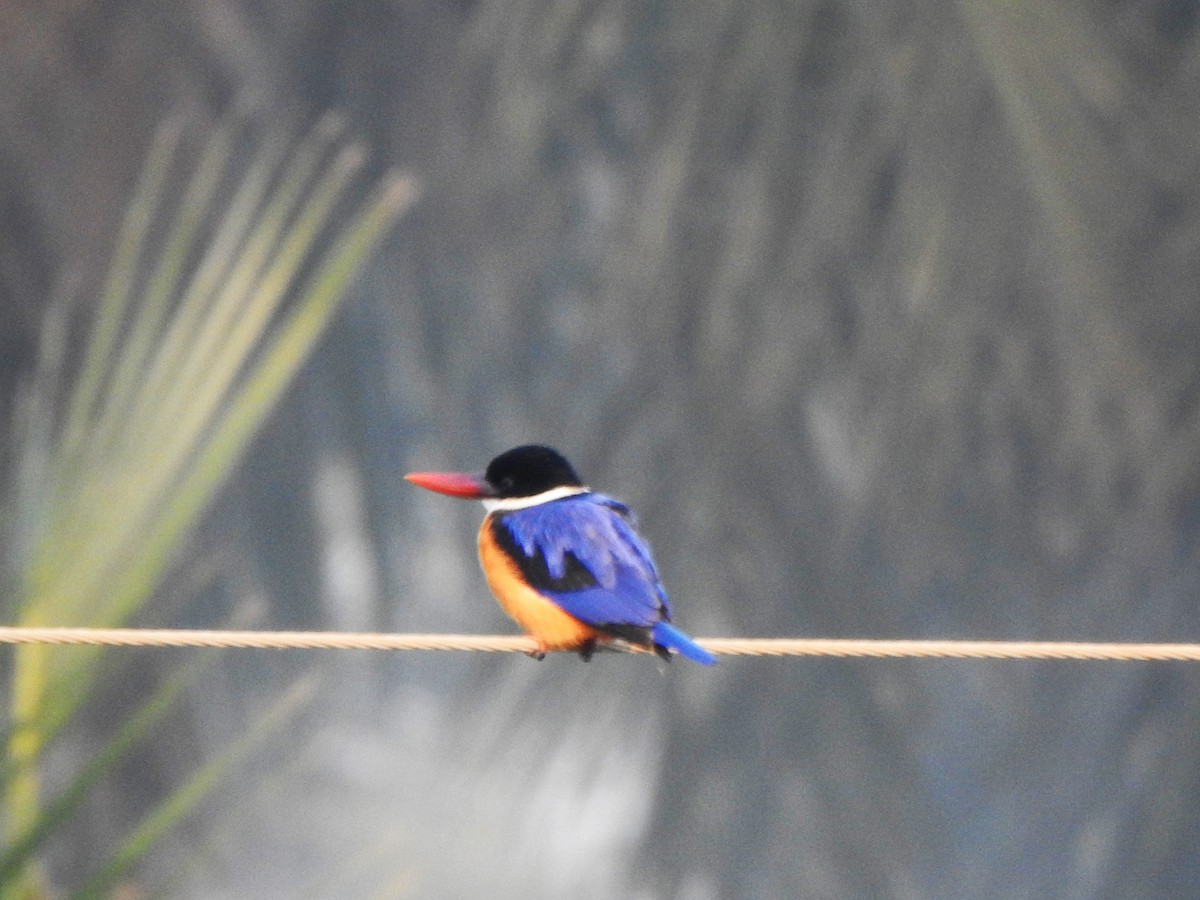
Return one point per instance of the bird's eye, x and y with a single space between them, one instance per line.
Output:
506 483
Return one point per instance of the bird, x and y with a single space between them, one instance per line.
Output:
566 563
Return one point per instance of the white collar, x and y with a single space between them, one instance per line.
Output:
508 504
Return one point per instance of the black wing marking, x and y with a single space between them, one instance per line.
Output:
535 570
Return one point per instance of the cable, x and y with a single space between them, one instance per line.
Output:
336 640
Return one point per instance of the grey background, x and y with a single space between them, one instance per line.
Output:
884 318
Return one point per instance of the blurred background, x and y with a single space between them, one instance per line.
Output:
883 317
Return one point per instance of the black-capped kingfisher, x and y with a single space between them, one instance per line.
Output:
565 562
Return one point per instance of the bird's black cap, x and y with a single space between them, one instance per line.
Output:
529 470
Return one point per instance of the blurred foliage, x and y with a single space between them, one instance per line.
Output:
210 310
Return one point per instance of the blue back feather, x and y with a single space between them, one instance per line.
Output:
599 533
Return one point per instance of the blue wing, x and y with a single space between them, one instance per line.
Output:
584 554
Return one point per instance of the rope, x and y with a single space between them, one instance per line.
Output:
336 640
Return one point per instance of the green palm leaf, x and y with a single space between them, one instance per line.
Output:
197 334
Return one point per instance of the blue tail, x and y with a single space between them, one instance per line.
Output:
667 635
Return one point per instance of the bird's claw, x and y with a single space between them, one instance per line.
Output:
539 653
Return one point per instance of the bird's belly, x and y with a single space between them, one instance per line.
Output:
542 620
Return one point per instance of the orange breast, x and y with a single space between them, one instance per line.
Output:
552 628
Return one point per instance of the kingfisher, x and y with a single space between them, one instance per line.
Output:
565 562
